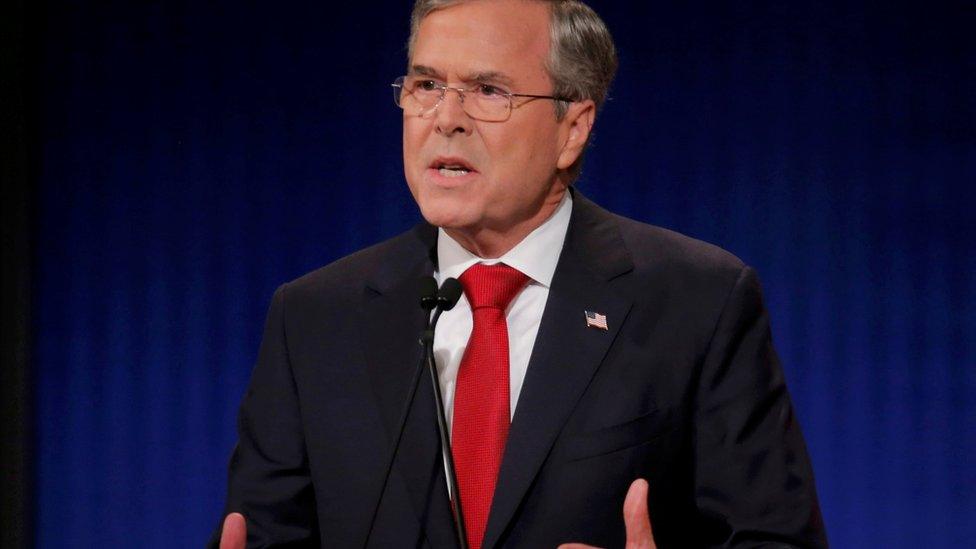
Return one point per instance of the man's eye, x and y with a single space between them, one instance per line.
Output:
488 90
426 85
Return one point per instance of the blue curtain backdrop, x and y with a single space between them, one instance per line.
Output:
194 155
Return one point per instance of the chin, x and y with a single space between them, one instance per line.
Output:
441 213
448 209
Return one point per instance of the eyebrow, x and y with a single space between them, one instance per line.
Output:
424 70
494 76
480 76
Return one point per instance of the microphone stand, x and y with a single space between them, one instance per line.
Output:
440 300
452 483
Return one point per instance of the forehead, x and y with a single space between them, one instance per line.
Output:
481 36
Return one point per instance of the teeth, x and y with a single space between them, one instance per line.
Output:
452 172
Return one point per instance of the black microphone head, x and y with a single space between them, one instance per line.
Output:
449 294
427 289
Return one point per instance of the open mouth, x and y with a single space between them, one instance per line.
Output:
452 167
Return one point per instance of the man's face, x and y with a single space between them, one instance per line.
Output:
512 163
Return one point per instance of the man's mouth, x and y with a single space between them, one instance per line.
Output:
452 171
452 167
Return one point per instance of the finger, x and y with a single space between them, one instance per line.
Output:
234 534
636 517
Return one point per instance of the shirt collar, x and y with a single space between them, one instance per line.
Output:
535 256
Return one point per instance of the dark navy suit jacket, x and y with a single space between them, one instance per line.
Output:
683 389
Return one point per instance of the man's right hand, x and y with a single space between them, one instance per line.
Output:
234 533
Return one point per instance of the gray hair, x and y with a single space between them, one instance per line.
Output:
582 58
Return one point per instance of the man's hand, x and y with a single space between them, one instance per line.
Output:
234 534
636 519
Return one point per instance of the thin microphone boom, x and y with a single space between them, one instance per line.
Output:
447 297
438 300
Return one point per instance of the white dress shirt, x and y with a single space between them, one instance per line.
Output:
535 256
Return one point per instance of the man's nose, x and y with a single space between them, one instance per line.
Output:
450 115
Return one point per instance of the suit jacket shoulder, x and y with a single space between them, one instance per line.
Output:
381 264
656 246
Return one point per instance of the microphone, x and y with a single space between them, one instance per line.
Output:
449 294
438 300
446 298
427 288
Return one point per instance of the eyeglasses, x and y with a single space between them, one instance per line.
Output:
421 95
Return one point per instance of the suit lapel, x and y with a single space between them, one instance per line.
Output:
392 322
566 353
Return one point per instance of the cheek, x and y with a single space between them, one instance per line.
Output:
523 157
413 141
410 135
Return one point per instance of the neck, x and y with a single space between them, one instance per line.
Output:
494 242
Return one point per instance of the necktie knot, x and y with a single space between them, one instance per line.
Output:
492 286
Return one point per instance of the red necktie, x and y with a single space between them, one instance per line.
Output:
481 396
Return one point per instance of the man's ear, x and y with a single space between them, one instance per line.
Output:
577 123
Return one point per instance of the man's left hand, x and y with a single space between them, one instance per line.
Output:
636 519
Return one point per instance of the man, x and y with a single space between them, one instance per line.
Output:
594 365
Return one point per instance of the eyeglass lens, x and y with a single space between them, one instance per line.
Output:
422 96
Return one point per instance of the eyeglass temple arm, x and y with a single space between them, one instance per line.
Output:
553 97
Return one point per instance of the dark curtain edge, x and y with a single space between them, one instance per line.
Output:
16 171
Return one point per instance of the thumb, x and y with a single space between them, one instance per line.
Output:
234 534
636 518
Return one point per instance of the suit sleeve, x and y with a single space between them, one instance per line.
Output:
269 481
752 471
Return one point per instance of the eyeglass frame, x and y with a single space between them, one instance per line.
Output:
400 81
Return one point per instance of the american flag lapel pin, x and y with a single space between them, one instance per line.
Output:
596 320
